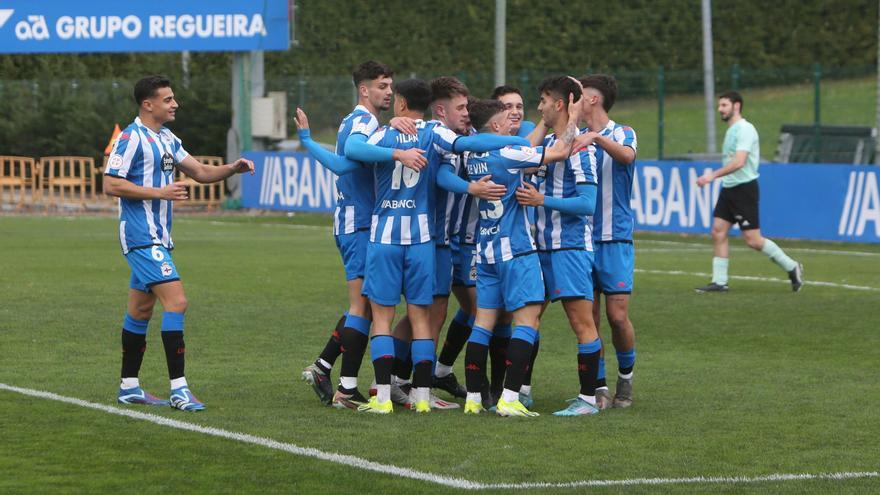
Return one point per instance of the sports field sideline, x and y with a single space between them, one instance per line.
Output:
757 390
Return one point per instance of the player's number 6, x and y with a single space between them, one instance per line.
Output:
157 254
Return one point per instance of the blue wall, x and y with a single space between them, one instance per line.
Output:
800 201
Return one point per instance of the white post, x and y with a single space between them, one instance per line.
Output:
500 41
708 76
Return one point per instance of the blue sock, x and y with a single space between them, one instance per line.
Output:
382 354
462 318
601 376
626 361
132 325
525 333
362 325
172 322
503 331
423 362
480 335
401 349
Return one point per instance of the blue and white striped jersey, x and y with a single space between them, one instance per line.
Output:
505 231
447 203
467 217
405 199
146 159
613 219
355 192
557 230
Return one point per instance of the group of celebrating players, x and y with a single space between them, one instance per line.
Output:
504 214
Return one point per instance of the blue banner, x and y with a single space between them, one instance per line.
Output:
288 182
798 201
57 26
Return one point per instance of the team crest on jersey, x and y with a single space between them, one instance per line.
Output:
166 269
115 161
167 162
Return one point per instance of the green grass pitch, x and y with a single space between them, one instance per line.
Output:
755 382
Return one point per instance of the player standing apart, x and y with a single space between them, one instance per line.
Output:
140 172
739 198
616 146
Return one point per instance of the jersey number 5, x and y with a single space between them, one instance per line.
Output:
410 177
497 209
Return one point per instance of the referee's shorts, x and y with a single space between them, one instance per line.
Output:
739 205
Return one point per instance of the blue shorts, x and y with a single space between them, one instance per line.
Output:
442 271
567 274
464 265
149 267
613 268
393 270
510 284
353 249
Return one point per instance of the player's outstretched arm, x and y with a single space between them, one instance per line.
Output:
122 188
357 148
339 165
526 128
537 135
582 204
205 174
483 142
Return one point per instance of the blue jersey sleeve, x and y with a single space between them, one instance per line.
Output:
526 127
582 204
339 165
357 148
449 180
124 154
521 156
482 143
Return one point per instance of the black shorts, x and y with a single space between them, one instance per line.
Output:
739 204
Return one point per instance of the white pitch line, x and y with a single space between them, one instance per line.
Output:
759 279
451 482
734 248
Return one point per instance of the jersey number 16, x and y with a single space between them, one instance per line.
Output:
410 177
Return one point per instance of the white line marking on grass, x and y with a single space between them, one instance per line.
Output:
359 463
734 248
760 279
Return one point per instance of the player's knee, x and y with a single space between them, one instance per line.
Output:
718 234
618 322
177 304
755 242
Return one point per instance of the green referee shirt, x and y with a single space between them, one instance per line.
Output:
741 136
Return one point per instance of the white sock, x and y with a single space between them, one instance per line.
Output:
399 381
325 364
348 382
525 389
127 383
719 270
602 388
475 396
177 383
509 395
589 399
383 393
442 370
421 393
627 376
778 256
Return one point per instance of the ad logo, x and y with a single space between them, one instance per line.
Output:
861 205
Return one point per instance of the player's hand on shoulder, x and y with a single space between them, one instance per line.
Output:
486 189
528 195
405 125
583 140
176 191
412 158
243 165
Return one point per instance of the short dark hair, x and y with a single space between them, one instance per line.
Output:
416 92
370 70
482 111
560 87
146 87
604 84
734 97
447 87
504 90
